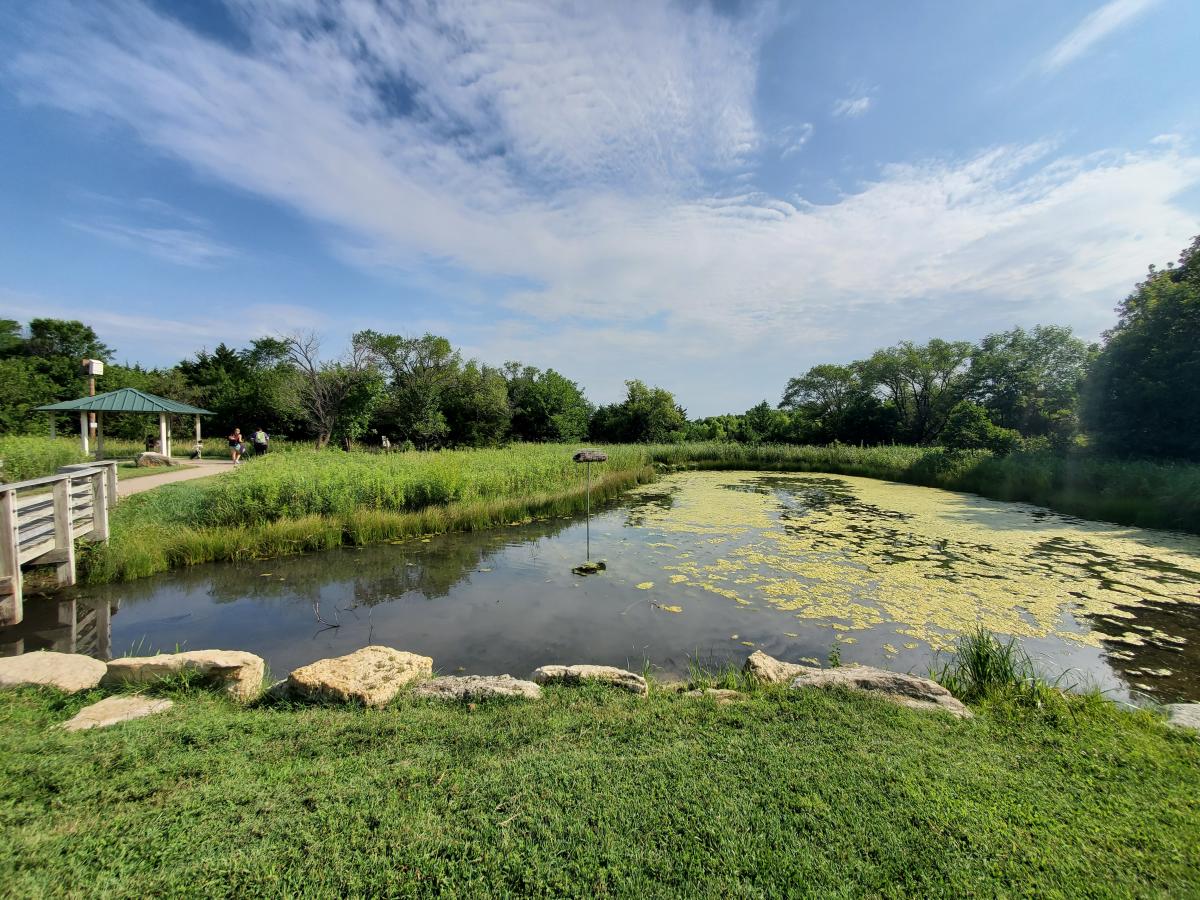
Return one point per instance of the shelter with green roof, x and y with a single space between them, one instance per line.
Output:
125 400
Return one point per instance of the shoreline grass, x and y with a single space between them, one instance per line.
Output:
308 500
592 792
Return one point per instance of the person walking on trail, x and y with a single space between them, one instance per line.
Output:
260 440
236 447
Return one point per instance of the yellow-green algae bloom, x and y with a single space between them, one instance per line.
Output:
856 553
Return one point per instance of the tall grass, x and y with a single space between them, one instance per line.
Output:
27 457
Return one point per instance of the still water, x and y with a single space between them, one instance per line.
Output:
703 566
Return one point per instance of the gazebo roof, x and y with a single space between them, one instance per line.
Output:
126 400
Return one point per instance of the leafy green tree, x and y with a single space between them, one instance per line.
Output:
922 382
545 405
419 370
1143 395
12 342
765 424
1030 380
475 406
969 428
646 415
838 403
22 388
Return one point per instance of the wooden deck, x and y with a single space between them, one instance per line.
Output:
41 519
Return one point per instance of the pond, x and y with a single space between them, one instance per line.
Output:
701 566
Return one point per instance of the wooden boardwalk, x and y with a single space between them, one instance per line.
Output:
41 519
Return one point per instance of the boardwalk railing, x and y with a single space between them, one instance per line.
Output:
40 520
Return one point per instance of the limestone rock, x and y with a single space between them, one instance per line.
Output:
721 696
149 459
907 690
1184 715
238 673
114 710
476 687
69 672
371 676
773 671
619 678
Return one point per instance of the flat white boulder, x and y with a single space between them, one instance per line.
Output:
771 670
1184 715
476 687
238 673
69 672
906 690
610 675
114 710
371 676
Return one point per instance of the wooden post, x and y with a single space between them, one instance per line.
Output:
64 543
162 434
83 431
199 442
111 479
99 506
99 435
12 608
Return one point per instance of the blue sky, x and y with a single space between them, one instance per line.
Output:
711 197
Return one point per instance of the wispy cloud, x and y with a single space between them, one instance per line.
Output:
570 155
175 245
151 226
852 107
792 138
1095 27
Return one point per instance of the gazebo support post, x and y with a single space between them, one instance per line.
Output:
83 432
163 447
199 443
99 435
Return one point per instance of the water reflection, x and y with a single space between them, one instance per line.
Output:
700 564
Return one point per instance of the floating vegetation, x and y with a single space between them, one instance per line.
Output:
856 554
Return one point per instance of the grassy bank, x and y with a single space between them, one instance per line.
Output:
595 793
308 500
301 502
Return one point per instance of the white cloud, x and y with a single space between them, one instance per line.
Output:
567 148
182 246
1095 27
792 139
852 107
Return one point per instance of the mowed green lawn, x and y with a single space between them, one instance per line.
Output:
591 793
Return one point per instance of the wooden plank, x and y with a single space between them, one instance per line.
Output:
34 502
12 607
49 558
30 552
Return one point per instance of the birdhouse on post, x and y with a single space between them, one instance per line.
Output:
589 457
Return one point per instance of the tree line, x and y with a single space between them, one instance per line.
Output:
1136 393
